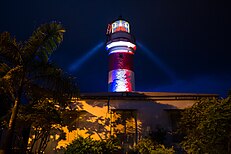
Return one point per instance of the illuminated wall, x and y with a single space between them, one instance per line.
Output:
120 47
126 116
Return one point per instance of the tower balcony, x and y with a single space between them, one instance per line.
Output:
120 36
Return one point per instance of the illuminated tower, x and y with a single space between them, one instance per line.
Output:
121 47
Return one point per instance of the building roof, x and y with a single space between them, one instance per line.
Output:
137 95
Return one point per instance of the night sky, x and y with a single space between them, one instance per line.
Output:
184 45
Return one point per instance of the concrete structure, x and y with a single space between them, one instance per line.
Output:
121 47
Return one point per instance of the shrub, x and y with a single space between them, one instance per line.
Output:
89 146
147 146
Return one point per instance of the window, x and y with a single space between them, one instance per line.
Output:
124 126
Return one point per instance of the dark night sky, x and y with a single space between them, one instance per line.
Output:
189 40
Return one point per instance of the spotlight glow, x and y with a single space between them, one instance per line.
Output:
158 62
79 62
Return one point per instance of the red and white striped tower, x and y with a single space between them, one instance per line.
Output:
121 47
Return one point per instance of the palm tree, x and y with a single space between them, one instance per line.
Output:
26 73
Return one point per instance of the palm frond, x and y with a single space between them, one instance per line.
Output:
9 50
4 68
53 81
43 42
11 81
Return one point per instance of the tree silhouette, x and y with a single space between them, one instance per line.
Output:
28 75
206 126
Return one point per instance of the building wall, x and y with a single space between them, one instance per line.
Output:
140 116
150 115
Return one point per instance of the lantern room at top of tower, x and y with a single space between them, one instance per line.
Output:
118 25
118 35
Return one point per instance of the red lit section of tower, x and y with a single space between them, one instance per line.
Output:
121 47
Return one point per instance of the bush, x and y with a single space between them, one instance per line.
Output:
161 149
206 126
147 146
89 146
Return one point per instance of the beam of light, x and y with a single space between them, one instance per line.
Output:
75 66
158 62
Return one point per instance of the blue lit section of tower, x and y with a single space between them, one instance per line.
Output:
120 47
